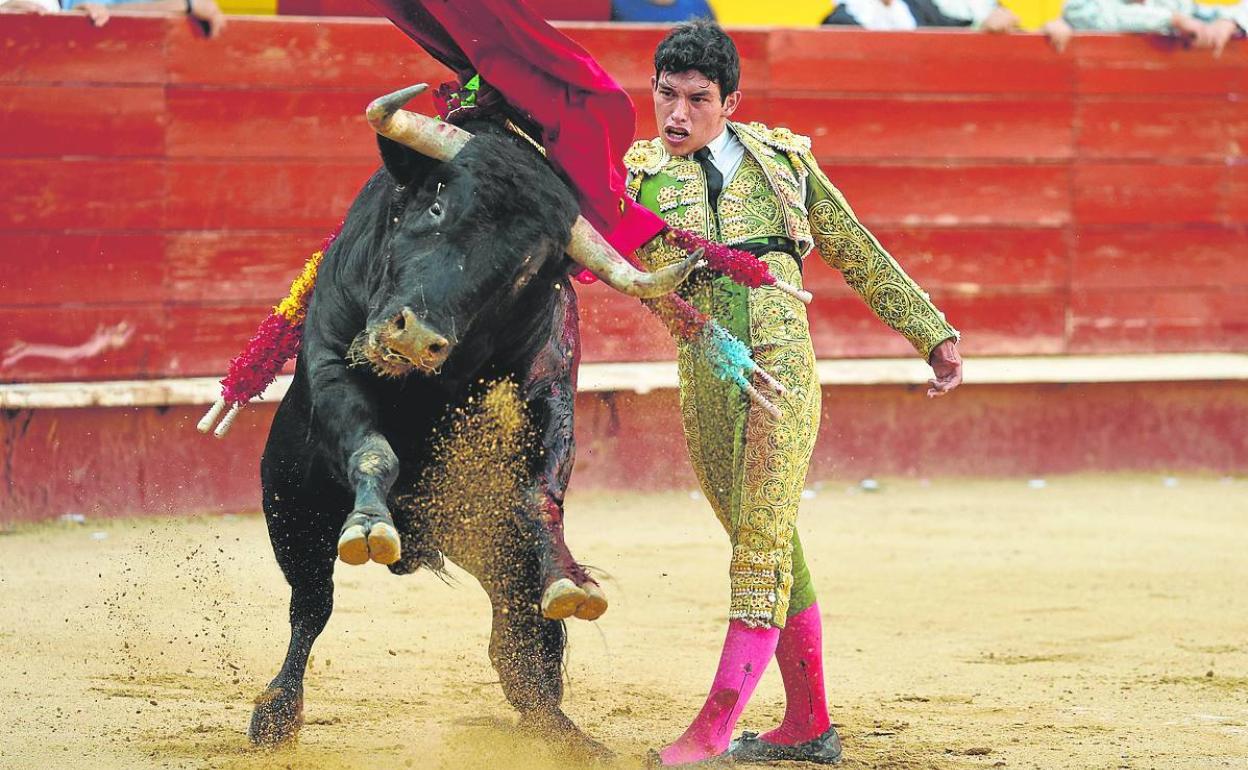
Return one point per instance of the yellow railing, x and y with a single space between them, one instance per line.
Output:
249 7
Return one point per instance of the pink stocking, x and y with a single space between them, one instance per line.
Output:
800 655
746 654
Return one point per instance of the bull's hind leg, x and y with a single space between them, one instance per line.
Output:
302 525
526 649
527 652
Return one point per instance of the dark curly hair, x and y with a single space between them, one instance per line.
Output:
700 45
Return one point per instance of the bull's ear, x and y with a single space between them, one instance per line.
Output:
405 165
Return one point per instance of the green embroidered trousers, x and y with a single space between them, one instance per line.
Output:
752 466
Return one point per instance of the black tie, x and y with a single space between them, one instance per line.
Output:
714 179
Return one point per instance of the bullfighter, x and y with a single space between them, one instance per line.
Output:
760 189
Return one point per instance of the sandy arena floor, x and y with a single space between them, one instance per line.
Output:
1093 623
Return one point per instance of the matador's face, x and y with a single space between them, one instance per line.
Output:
690 110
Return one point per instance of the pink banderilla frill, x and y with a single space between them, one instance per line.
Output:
275 342
741 266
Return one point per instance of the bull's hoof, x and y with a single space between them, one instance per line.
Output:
277 717
562 733
595 602
561 599
383 543
353 545
366 538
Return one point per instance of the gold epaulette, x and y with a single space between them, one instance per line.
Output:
781 138
646 156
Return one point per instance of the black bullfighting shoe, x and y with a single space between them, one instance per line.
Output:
824 750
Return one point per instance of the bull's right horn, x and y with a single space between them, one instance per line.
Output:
590 250
435 138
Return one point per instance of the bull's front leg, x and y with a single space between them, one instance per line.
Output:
346 414
369 532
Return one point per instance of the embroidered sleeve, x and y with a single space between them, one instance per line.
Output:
870 270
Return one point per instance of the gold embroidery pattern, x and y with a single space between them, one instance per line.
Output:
780 138
657 253
776 453
633 187
647 156
708 409
751 466
870 271
785 179
748 208
684 204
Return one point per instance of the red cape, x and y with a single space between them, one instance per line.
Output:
586 119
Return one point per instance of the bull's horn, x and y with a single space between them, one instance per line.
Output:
434 138
589 249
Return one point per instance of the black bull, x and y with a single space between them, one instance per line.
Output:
442 333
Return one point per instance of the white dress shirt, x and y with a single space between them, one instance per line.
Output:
727 152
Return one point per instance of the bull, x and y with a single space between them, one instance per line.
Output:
430 412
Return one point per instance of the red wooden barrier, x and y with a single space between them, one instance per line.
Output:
1091 202
113 462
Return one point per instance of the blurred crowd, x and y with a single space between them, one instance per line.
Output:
1209 26
1201 26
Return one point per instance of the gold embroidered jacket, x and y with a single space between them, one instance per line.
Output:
779 191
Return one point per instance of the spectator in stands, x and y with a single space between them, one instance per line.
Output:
892 15
984 15
97 13
206 12
660 10
1204 26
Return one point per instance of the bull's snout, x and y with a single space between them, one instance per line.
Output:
407 338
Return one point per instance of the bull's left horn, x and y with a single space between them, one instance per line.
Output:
590 250
434 138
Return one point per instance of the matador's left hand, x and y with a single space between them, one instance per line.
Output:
947 366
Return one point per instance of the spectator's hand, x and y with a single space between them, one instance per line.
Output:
1221 32
98 14
947 366
1000 20
1192 30
1059 34
208 12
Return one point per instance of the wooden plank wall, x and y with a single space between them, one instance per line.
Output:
161 189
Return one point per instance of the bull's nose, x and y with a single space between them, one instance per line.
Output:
412 338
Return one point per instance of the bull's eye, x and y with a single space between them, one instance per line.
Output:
435 208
